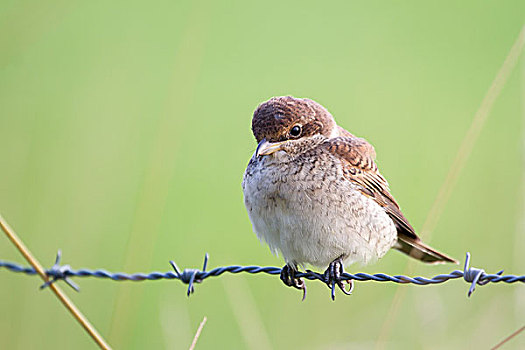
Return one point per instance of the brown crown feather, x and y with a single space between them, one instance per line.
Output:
274 118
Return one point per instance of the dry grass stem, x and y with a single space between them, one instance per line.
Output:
464 151
508 338
13 237
198 333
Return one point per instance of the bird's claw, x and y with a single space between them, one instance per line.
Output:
289 279
332 277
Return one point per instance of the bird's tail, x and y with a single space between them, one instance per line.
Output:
415 248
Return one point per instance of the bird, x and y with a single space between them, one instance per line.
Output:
314 194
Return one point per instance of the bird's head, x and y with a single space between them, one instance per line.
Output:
281 120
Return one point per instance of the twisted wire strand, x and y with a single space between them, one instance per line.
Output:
472 275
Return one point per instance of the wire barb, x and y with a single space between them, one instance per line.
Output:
188 276
473 276
60 272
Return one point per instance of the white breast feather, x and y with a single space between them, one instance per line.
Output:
314 218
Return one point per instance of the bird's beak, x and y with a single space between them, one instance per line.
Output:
265 148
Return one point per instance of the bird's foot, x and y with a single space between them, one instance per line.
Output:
332 277
288 278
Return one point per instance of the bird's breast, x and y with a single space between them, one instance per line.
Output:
306 209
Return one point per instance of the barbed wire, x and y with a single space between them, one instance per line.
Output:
472 275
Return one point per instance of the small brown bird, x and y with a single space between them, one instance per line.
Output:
314 194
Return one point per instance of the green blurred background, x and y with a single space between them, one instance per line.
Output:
125 131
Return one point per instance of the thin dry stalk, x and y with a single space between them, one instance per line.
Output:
508 338
13 237
464 151
198 333
161 168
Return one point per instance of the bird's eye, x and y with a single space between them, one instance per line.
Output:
295 131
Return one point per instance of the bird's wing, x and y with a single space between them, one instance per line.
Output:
358 156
